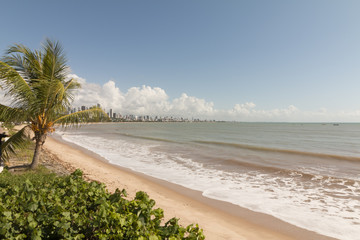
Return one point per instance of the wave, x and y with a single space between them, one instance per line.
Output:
285 151
325 204
147 138
303 174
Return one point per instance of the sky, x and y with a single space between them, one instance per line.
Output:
258 60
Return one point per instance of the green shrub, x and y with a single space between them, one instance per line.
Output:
46 206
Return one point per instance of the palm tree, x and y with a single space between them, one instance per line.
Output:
40 92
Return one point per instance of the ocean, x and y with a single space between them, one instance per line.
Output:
305 174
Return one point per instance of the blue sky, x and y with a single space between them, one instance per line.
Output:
250 57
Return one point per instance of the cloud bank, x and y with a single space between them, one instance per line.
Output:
154 101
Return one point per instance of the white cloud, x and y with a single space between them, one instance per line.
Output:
2 97
187 105
145 101
242 109
153 101
4 100
108 95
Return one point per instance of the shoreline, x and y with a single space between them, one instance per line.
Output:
218 219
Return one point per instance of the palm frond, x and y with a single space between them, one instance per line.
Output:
91 115
69 89
19 140
24 61
9 114
15 85
55 103
72 84
54 61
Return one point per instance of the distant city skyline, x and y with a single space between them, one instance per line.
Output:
116 116
225 60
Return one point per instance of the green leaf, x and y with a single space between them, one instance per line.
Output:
153 237
122 221
66 215
33 206
7 214
31 221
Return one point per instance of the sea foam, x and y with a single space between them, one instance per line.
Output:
319 204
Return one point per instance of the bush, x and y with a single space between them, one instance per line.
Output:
46 206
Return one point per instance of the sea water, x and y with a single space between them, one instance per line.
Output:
305 174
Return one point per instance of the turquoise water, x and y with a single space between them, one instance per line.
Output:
305 174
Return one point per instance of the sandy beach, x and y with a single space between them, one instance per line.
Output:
219 220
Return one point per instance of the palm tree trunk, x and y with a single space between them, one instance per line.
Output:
39 141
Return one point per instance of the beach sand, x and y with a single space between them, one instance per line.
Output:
218 219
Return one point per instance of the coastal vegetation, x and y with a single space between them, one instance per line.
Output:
46 206
40 92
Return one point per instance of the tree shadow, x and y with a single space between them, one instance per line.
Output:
19 167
